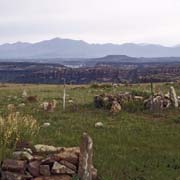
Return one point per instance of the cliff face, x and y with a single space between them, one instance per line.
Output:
117 73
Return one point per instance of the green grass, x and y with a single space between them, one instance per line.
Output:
132 145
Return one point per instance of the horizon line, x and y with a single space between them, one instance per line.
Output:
74 39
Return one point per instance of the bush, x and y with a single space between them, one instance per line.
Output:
141 93
14 128
177 120
133 106
99 86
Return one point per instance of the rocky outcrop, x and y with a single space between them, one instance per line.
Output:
45 162
113 102
160 102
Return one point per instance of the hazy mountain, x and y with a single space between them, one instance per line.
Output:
67 48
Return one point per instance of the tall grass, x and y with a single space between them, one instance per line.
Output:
13 128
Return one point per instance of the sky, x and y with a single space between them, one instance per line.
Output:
94 21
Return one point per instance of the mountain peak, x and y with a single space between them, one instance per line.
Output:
70 48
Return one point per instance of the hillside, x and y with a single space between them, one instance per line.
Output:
99 71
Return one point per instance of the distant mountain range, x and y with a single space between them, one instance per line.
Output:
67 48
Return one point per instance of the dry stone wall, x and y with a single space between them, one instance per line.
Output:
43 162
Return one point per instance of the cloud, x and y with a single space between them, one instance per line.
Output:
119 21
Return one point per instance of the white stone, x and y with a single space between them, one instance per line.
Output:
99 125
46 124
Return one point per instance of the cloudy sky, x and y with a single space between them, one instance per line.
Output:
98 21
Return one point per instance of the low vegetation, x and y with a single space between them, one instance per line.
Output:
132 144
16 128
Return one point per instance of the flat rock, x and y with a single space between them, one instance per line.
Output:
14 165
69 165
60 177
14 176
67 156
61 169
40 148
45 170
22 155
34 168
75 150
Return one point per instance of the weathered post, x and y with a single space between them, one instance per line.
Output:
173 97
152 94
85 159
64 96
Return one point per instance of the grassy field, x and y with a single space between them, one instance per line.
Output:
132 145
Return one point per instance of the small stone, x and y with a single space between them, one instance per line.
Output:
14 165
21 105
99 125
34 168
46 125
28 150
37 158
138 98
24 94
61 169
116 107
45 170
22 155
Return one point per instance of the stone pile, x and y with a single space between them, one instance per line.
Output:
114 102
43 162
159 102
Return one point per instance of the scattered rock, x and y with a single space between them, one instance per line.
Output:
99 125
24 94
46 125
112 102
49 106
116 107
61 169
21 105
138 98
11 107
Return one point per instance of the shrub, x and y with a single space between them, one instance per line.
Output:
141 93
133 106
177 120
14 128
103 86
